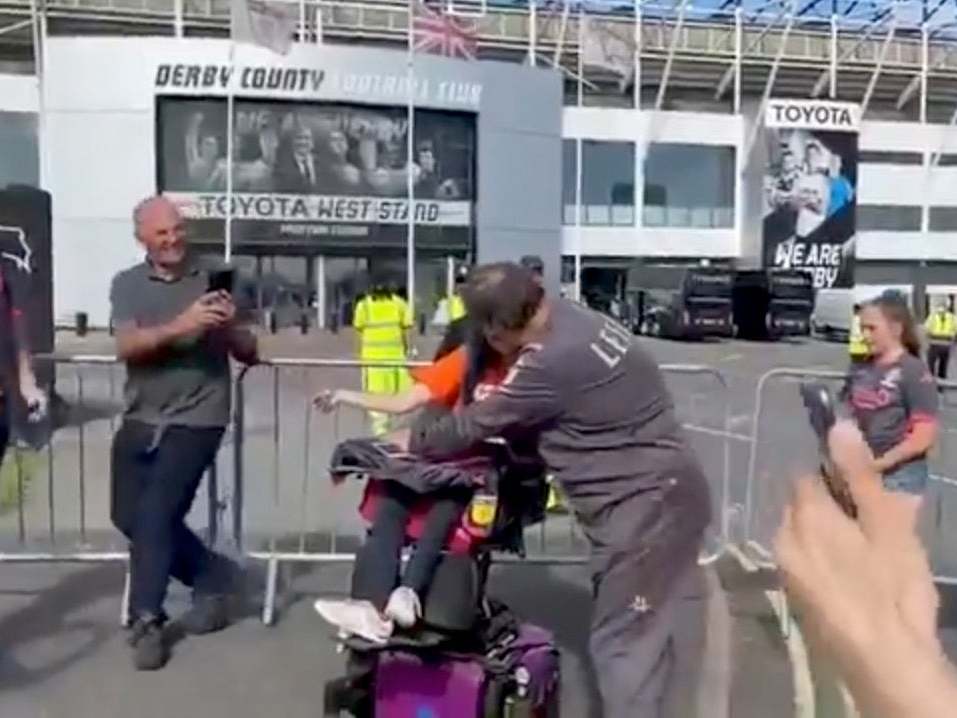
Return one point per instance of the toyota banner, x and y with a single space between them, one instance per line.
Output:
810 189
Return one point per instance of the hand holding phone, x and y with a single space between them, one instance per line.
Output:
221 280
820 408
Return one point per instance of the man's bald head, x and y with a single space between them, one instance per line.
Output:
149 208
159 227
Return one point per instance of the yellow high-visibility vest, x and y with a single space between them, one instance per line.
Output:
381 324
456 307
857 345
404 311
941 325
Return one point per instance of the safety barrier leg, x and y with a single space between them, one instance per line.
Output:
786 616
125 601
269 600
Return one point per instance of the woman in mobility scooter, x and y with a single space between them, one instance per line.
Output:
377 608
492 653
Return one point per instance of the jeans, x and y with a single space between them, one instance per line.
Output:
377 563
909 478
154 481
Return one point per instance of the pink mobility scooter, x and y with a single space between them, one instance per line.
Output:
469 657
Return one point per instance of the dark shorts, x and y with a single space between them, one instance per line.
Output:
911 478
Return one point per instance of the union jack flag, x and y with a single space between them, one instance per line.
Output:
439 33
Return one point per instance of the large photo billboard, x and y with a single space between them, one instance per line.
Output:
810 189
318 176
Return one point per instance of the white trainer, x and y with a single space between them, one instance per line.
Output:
355 618
404 607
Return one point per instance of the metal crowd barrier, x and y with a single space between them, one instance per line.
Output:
282 507
310 522
783 447
60 505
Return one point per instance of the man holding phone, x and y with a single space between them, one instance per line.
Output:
176 330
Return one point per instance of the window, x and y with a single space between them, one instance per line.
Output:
887 218
946 160
689 186
608 183
886 157
19 153
943 219
569 159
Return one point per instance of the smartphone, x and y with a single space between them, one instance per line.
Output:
819 403
221 280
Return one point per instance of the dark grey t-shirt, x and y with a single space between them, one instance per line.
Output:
607 430
189 383
886 400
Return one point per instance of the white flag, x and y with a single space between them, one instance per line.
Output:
268 24
609 47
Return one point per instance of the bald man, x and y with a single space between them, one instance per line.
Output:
176 339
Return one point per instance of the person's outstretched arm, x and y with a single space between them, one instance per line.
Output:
415 398
864 592
440 382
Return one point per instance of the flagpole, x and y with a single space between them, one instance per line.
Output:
39 28
230 103
409 157
636 71
532 31
578 159
562 29
581 55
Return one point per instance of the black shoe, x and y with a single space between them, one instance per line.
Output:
208 614
150 652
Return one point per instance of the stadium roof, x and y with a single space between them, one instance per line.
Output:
898 59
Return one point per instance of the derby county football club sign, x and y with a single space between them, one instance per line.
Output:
810 189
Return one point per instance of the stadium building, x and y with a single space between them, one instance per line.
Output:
816 134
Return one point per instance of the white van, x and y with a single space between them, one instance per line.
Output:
833 309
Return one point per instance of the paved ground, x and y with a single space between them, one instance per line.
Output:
61 653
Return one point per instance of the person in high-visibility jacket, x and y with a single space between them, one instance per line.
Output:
382 321
456 305
857 345
399 297
941 328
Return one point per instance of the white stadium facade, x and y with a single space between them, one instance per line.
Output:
593 135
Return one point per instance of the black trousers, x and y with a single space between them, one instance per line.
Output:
376 569
646 661
938 356
154 481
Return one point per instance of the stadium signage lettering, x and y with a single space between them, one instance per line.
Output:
317 208
300 80
812 115
207 77
822 260
817 114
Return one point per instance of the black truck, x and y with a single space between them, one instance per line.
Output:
772 303
680 302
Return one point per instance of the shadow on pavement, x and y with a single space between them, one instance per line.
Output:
47 617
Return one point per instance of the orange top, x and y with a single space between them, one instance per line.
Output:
445 377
